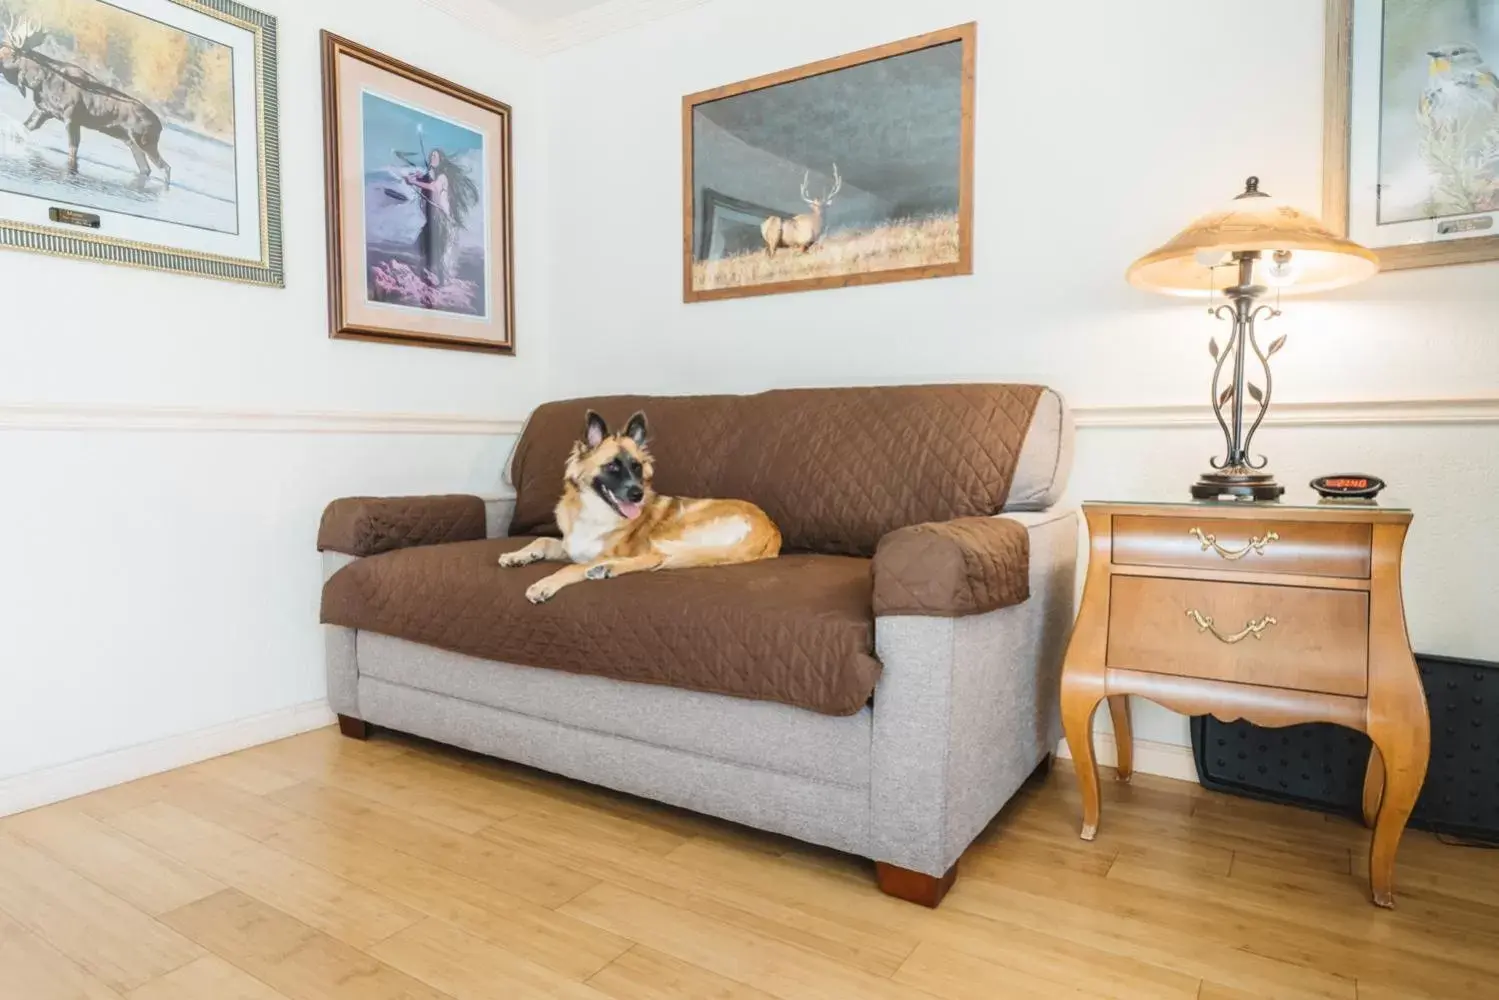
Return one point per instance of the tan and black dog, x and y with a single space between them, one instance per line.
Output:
613 523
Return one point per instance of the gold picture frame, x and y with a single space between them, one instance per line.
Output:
1338 150
220 215
934 241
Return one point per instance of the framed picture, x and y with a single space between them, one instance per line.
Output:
419 213
1411 149
850 171
142 132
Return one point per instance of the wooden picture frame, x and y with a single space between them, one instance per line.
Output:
441 241
1337 149
948 254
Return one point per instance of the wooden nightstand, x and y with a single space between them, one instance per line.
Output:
1274 613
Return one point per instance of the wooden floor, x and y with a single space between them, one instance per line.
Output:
320 867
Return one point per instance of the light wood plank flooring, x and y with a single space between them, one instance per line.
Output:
321 868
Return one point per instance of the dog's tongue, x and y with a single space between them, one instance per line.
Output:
630 510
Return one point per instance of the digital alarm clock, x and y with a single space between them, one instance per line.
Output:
1348 486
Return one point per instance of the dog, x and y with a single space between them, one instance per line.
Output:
613 523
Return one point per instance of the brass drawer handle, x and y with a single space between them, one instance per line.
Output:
1256 545
1254 628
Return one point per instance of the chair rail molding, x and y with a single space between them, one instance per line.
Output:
127 417
130 417
1347 413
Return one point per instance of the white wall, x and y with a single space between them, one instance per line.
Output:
1102 128
155 583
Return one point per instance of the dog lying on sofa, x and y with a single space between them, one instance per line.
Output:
613 523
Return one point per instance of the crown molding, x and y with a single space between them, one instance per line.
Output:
490 18
555 35
603 19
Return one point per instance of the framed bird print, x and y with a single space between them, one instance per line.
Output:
419 205
1411 149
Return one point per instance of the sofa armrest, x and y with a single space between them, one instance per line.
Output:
355 527
367 526
950 568
967 706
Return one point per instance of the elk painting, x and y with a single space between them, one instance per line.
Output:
850 171
109 110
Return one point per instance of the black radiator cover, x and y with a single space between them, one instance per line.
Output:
1321 766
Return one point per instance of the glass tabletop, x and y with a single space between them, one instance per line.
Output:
1296 498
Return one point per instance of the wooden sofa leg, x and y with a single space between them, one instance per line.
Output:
914 887
354 729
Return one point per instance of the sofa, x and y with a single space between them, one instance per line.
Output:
882 688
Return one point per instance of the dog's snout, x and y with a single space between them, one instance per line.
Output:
634 494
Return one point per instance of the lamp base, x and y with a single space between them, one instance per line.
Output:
1237 484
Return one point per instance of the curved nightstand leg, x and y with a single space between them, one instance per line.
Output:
1081 693
1124 735
1405 751
1373 786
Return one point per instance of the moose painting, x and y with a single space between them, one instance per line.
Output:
110 110
850 171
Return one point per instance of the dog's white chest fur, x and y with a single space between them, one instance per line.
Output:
585 542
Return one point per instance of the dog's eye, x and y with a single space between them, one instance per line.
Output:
634 467
613 466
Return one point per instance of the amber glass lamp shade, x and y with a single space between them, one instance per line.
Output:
1297 254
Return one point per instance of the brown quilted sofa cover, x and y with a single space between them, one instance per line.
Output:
367 526
922 468
836 469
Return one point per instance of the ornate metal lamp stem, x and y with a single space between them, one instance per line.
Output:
1237 474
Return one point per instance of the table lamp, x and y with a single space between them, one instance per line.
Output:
1254 246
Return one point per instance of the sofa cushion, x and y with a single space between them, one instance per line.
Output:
836 469
797 630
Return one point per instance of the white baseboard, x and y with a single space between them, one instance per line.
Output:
53 784
1168 760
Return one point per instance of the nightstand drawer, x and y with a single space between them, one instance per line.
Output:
1290 637
1306 548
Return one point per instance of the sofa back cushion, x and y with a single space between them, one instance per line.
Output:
836 469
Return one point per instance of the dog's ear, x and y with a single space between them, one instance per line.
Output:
636 428
595 430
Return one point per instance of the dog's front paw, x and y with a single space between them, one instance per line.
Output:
599 572
541 592
511 560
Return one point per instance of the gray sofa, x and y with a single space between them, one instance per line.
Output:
965 705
